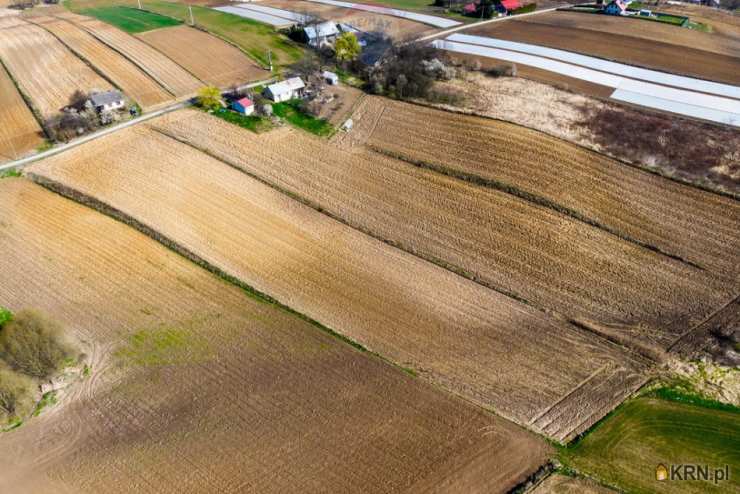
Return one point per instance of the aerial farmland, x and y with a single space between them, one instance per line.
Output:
399 246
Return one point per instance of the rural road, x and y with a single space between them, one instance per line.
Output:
20 163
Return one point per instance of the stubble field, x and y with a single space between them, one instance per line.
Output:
164 71
471 340
127 76
19 130
557 263
641 43
248 398
696 226
210 59
46 71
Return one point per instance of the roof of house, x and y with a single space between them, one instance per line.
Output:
286 86
106 98
245 102
327 28
510 4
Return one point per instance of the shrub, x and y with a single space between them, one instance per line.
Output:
524 9
209 98
5 316
33 345
16 394
502 71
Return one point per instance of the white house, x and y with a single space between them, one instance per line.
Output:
330 77
285 90
107 101
320 34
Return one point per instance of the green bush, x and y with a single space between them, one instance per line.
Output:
33 345
524 9
16 395
5 316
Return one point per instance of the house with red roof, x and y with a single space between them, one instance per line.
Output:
244 106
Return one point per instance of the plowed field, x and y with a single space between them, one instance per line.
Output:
122 72
209 58
473 341
642 43
252 400
19 130
46 71
620 289
682 221
164 71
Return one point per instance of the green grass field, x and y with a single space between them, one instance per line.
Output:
252 37
129 19
625 449
254 123
291 112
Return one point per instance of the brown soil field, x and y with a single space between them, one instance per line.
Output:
256 399
46 71
127 76
681 221
623 43
395 27
209 58
164 71
560 484
555 262
19 130
451 331
10 21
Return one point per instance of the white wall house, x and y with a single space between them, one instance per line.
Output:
285 90
107 101
320 34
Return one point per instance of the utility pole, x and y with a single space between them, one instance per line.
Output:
190 9
140 5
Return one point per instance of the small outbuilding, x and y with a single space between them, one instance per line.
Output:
245 106
285 90
330 77
107 101
321 34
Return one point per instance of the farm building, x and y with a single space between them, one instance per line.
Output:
107 101
244 106
330 77
616 7
321 34
285 90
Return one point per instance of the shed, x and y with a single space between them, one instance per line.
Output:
285 90
244 106
330 77
107 101
319 34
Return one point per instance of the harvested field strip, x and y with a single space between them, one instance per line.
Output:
657 54
45 70
449 330
124 74
696 226
623 291
19 130
210 59
246 373
167 73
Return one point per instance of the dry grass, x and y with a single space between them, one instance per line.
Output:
451 331
210 59
121 71
272 400
19 130
164 71
46 71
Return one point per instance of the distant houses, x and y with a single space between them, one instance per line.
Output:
285 90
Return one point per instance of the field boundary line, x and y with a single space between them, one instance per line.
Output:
645 169
700 324
512 190
29 103
128 220
554 316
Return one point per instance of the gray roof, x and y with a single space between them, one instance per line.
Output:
286 86
106 98
324 29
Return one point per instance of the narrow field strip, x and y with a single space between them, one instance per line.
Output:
285 14
19 130
602 65
440 22
246 373
696 105
278 22
45 70
698 227
451 331
127 76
